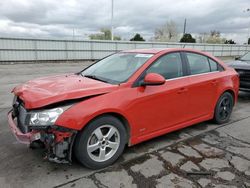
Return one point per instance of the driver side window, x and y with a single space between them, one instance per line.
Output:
169 66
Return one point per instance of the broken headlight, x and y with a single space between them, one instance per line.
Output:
45 117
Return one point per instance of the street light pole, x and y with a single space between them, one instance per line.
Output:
112 14
184 27
248 28
248 37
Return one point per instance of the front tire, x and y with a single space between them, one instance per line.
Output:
224 108
101 142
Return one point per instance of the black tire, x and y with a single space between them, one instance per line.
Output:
224 108
88 134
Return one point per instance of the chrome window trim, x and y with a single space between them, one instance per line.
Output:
192 75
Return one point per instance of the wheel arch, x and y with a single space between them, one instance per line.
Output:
216 115
229 90
232 92
120 117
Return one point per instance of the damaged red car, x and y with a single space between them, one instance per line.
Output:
123 99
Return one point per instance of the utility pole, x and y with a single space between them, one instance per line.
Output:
184 28
112 14
248 32
248 28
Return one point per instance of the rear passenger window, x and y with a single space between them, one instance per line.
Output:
215 66
198 63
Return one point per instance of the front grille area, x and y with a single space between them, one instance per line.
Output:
244 78
21 114
244 74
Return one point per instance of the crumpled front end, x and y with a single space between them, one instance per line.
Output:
25 125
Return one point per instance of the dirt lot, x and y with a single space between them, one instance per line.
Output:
204 155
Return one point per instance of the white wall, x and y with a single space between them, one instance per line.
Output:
23 49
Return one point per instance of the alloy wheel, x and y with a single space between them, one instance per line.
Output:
225 108
103 143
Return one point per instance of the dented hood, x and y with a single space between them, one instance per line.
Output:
45 91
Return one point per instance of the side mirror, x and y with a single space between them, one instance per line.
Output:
153 79
237 58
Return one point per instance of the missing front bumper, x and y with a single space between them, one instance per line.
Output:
58 144
25 138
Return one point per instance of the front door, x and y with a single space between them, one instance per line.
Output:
164 106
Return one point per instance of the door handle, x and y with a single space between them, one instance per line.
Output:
182 90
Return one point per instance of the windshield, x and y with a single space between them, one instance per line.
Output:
246 57
116 68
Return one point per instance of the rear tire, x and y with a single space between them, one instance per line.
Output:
224 108
101 142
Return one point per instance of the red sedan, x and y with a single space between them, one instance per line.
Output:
125 98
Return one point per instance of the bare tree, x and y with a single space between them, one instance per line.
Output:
215 33
105 34
215 38
167 32
202 37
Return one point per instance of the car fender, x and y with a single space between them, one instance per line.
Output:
80 114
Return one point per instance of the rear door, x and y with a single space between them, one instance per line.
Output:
203 84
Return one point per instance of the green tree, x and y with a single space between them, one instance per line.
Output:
104 35
187 38
137 37
229 42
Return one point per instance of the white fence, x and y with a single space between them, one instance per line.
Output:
23 49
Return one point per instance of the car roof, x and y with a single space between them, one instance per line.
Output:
157 50
148 50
